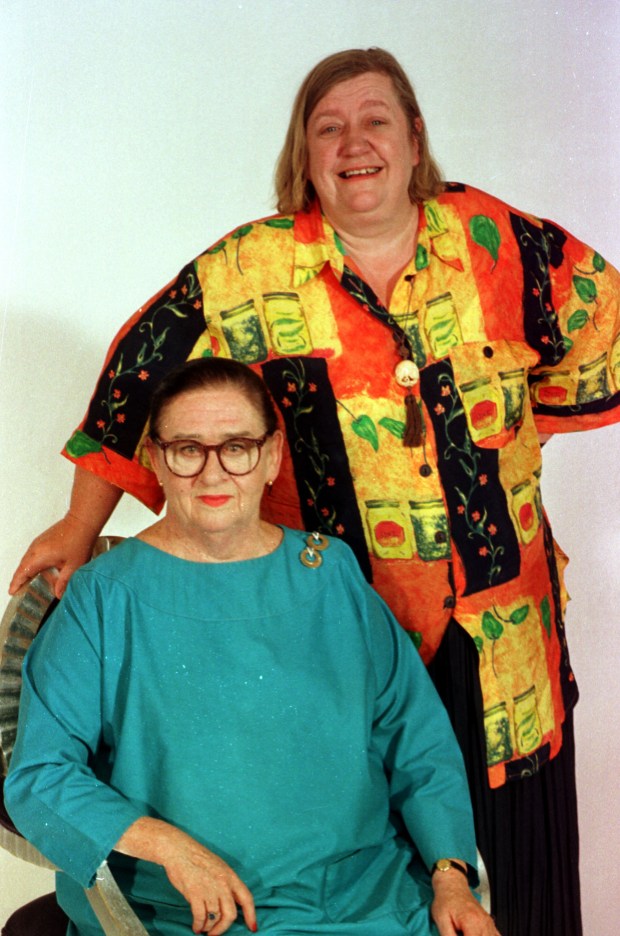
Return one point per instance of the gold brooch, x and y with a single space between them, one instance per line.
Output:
315 544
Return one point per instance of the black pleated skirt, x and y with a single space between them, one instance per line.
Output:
527 830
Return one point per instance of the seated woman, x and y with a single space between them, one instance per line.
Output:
228 712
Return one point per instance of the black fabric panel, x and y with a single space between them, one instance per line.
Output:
527 830
480 520
540 248
159 341
301 388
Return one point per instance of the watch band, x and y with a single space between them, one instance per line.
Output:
444 864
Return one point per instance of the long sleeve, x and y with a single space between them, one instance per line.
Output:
52 792
413 736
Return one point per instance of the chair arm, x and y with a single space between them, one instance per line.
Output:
16 845
110 906
483 890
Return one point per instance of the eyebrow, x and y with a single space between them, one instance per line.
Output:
332 112
198 437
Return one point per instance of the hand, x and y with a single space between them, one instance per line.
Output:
66 546
209 885
69 543
456 910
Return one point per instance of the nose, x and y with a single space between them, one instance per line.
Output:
354 139
212 470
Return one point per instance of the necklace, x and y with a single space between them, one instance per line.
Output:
406 371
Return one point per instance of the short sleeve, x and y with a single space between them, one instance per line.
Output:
577 384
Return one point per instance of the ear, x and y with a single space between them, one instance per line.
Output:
155 458
274 454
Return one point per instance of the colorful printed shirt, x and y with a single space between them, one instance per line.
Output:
513 326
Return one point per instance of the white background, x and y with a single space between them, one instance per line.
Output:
134 133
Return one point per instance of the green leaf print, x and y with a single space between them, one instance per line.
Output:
485 233
237 235
242 231
479 642
365 428
586 289
395 426
282 223
598 263
545 613
567 342
216 249
493 629
421 257
416 637
81 444
578 319
339 244
519 615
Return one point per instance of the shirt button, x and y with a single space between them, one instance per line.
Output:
449 601
488 351
426 471
440 536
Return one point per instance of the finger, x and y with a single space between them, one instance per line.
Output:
212 922
62 581
227 916
200 923
21 577
16 583
244 898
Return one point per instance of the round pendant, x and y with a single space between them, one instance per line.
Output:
310 558
406 373
317 541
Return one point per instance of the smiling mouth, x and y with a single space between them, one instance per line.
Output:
353 173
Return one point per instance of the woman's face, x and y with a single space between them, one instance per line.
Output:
361 151
214 502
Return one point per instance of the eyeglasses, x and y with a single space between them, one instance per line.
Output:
186 458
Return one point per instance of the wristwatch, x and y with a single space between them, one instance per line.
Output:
444 864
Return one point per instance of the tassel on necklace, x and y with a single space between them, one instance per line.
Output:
412 437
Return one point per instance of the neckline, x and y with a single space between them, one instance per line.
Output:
226 563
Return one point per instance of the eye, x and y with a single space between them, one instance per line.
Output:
188 449
237 446
328 130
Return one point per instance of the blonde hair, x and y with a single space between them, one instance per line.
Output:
294 191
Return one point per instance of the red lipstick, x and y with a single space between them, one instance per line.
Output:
214 500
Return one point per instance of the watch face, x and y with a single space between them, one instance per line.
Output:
444 864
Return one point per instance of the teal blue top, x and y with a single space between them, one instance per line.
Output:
277 713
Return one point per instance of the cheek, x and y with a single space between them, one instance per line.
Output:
316 165
310 167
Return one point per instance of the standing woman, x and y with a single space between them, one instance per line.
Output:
227 712
421 339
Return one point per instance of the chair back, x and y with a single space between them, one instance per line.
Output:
26 612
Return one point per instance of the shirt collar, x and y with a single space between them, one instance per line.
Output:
317 243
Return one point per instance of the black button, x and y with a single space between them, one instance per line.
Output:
488 351
440 536
426 470
449 602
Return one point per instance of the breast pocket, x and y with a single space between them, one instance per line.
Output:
491 381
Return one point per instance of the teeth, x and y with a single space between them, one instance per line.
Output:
357 172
